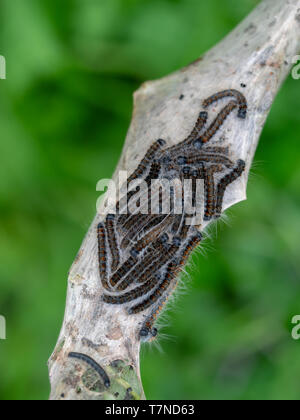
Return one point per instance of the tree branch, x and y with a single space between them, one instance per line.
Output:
255 59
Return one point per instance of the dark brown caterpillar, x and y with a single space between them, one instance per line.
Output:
151 236
161 289
94 365
134 226
227 180
137 270
216 125
200 123
172 271
146 266
149 274
217 150
123 271
177 223
102 255
162 260
112 241
241 100
209 186
143 262
140 171
142 168
153 173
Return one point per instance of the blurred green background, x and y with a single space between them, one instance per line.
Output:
72 67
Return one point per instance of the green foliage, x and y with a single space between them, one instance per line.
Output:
65 107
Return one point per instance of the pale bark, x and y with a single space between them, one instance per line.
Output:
255 59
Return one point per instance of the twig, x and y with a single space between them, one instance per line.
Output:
255 58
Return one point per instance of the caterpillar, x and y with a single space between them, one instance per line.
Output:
141 255
241 100
172 271
102 255
141 169
94 365
209 158
112 241
223 184
209 187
